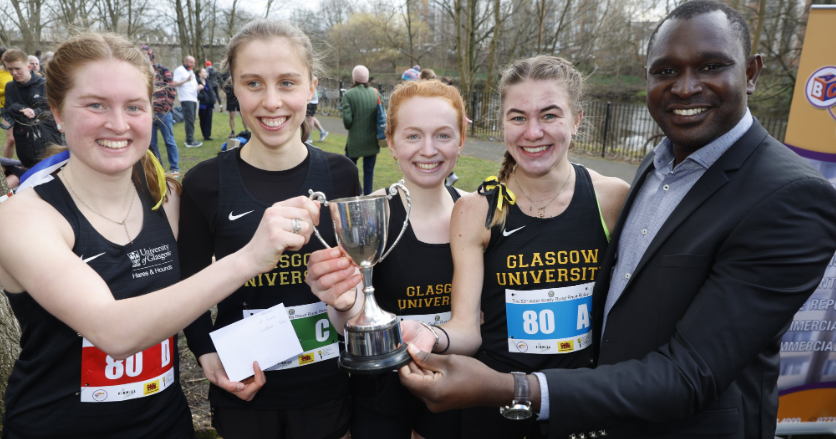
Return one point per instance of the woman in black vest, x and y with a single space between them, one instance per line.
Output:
91 266
425 135
273 71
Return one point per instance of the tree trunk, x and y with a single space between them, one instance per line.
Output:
497 34
9 336
182 30
198 35
756 39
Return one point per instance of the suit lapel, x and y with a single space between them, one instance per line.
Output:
602 285
714 178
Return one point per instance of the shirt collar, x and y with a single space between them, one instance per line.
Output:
708 154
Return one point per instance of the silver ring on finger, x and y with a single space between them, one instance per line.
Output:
296 225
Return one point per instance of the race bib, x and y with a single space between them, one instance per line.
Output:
549 321
145 373
315 331
430 319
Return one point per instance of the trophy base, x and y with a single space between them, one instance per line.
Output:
375 364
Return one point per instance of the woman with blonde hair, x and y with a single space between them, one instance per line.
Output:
99 346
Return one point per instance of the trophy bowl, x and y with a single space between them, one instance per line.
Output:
373 342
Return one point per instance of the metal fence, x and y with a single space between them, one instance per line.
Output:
622 131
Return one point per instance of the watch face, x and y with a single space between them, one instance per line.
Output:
517 413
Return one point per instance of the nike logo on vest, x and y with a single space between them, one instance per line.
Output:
235 217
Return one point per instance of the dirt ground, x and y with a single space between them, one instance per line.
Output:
196 388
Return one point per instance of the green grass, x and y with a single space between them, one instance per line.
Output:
471 171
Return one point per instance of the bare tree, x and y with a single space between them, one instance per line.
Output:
28 18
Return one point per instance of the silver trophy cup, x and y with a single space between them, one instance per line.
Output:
373 341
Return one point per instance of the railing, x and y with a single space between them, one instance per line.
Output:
622 131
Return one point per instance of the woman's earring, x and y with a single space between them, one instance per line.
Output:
395 159
59 126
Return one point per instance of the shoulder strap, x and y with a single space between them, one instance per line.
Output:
582 172
453 193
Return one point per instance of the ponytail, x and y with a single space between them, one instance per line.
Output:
505 170
306 130
152 180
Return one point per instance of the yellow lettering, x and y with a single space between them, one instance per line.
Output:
430 290
436 301
412 303
270 282
418 291
445 300
427 302
590 256
259 281
592 272
500 280
297 277
410 291
283 278
439 289
521 262
525 277
574 257
250 283
448 288
550 275
536 277
284 261
307 256
550 258
514 279
512 264
536 260
561 257
296 260
576 273
401 304
562 275
584 273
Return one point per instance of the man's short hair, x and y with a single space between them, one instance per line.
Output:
690 9
14 55
38 53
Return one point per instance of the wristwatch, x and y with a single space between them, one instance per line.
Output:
520 408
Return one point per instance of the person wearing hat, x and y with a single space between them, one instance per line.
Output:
212 81
412 74
360 119
164 93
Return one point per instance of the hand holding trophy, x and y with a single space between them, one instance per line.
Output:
361 225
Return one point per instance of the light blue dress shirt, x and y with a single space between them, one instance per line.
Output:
663 190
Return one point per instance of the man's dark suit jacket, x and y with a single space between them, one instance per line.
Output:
691 348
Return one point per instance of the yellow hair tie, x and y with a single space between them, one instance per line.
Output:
160 178
495 190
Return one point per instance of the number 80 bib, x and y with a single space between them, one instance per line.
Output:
145 373
549 321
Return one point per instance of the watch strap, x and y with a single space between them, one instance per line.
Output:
522 391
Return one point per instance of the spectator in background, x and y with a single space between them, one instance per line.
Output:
311 118
163 121
35 64
45 61
427 74
412 74
231 103
26 108
206 104
187 88
5 77
359 118
213 83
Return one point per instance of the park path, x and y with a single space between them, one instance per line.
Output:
487 150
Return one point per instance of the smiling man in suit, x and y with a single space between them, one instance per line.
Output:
724 235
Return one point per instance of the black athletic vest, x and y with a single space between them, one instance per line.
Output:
547 255
43 398
414 280
309 378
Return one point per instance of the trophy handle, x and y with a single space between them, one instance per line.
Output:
393 191
319 196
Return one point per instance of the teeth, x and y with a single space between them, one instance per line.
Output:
273 122
689 112
113 145
535 149
428 165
